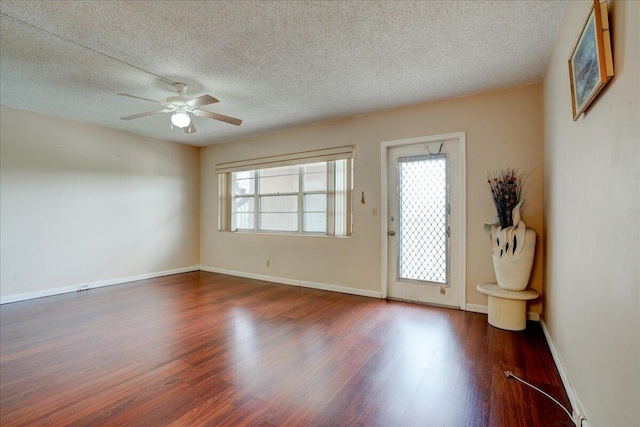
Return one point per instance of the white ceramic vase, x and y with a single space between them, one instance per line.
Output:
512 249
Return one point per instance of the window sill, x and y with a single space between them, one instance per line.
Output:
283 233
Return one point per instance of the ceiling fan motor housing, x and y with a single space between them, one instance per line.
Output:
177 100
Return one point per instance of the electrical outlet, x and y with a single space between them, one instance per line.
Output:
374 211
83 287
268 264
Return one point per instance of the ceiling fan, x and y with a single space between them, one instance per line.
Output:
181 107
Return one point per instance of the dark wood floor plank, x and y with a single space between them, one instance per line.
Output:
434 396
207 349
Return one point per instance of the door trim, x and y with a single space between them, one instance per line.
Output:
384 224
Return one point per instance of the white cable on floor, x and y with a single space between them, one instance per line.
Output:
510 374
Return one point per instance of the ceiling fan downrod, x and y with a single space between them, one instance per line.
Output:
181 88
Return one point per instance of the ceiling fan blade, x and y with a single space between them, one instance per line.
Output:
201 100
220 117
190 129
150 113
139 97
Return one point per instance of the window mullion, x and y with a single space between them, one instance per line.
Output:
256 201
300 199
330 198
349 190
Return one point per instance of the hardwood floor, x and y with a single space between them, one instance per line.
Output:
207 349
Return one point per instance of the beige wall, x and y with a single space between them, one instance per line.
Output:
592 212
81 203
503 129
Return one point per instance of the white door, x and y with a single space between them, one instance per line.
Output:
425 223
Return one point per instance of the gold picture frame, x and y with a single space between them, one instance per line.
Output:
591 61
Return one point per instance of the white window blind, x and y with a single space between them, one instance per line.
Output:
302 157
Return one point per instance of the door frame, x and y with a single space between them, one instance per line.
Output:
384 195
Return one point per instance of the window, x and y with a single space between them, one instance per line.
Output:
294 194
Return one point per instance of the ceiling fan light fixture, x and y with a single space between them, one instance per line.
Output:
180 120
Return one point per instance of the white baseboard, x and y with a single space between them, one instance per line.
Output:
301 283
91 285
476 308
566 381
38 294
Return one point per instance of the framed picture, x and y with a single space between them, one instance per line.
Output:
591 62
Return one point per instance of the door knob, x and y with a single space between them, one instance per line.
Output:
392 233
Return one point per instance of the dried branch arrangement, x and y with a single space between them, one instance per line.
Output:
506 189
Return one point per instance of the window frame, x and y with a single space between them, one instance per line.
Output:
228 207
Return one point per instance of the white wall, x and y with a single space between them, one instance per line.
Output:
592 214
81 203
504 129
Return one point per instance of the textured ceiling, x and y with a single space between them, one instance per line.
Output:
272 64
